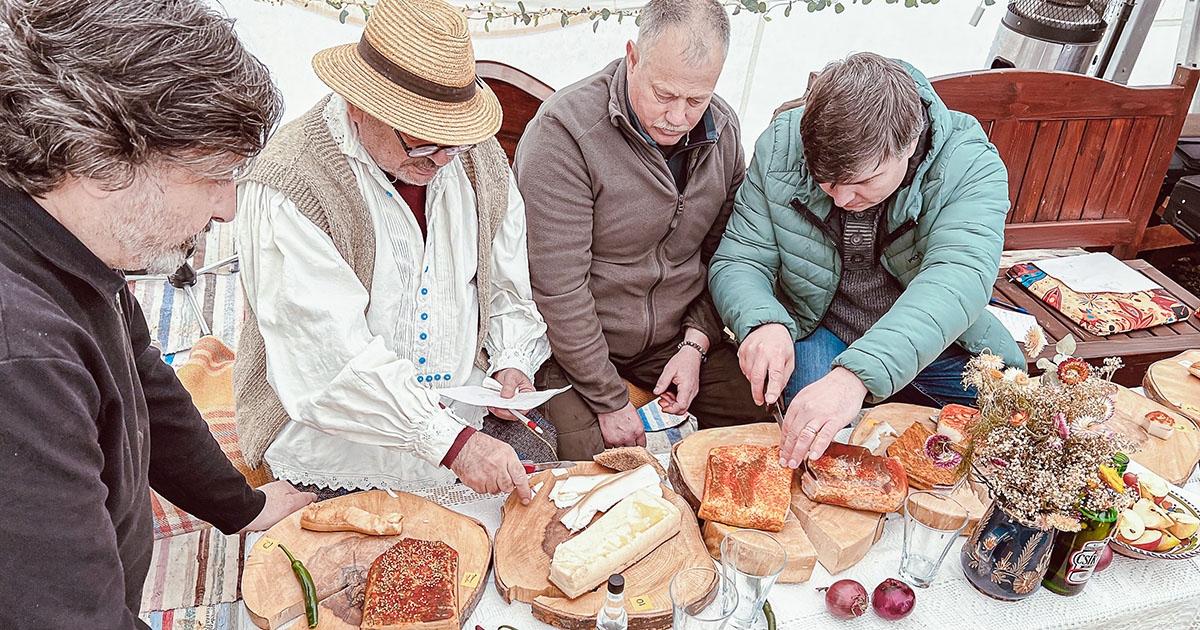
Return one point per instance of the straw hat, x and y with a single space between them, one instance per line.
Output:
414 69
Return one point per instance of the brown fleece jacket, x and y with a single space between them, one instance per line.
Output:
618 256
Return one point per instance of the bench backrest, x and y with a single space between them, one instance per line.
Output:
520 97
1085 157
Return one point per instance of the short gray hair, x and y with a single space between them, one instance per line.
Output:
858 112
705 21
103 89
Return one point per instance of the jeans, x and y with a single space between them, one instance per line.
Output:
938 385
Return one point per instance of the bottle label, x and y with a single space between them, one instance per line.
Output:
1083 562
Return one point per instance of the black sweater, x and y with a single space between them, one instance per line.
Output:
90 420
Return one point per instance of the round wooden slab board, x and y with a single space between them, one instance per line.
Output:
900 417
838 536
1169 382
1173 458
338 561
526 540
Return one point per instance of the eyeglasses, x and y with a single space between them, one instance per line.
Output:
426 150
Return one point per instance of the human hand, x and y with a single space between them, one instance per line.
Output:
767 356
489 466
817 413
684 371
282 499
622 427
512 381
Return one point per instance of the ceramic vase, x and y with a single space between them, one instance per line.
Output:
1005 559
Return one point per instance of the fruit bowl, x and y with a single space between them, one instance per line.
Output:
1187 548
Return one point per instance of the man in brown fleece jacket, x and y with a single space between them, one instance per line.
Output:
629 177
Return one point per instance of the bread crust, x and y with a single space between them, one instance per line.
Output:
332 517
745 486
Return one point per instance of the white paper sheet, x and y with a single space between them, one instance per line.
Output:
1096 273
1017 323
485 397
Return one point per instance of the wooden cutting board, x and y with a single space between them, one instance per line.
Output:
1168 382
338 561
525 543
839 536
900 417
802 556
1172 459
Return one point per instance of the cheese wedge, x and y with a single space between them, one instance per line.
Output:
608 492
625 534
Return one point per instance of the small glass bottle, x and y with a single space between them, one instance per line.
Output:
1120 462
612 616
1074 556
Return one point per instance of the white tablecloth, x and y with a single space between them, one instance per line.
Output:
1129 594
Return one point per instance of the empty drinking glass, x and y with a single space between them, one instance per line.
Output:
932 522
701 599
752 560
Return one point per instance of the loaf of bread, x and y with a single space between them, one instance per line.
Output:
412 585
625 534
745 486
955 422
851 476
332 517
920 470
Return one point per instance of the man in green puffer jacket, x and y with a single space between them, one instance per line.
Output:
862 250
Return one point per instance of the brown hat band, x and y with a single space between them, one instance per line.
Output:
416 84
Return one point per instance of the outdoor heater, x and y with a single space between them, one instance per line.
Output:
1050 35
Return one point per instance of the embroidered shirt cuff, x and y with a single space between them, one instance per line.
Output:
527 362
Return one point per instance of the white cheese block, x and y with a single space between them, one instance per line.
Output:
625 534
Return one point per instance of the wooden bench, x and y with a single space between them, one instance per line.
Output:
1085 158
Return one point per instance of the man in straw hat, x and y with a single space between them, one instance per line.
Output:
383 250
635 168
122 124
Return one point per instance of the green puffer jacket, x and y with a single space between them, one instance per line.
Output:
778 263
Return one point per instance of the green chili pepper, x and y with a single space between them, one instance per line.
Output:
306 585
770 614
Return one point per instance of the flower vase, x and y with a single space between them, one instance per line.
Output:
1005 559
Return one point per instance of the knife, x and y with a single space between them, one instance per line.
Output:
530 467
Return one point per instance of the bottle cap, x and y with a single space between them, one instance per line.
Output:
616 584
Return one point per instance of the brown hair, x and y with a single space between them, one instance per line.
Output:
858 112
101 89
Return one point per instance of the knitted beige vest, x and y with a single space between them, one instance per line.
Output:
304 163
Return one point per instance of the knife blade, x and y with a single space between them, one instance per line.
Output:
531 467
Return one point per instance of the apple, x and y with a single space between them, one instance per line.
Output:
1149 541
1130 479
1185 525
1130 526
1106 557
1153 516
1152 487
1167 543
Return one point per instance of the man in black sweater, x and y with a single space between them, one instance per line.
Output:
121 126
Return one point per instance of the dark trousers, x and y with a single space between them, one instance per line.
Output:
724 397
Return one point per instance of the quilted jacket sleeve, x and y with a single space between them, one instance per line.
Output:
961 232
742 274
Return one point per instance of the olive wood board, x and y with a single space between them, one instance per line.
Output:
525 543
900 417
339 561
839 536
1169 382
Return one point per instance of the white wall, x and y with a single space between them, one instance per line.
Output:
935 38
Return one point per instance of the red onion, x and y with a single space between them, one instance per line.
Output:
1105 558
893 599
846 599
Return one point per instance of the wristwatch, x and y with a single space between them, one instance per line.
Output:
687 342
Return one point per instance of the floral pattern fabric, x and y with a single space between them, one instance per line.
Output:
1101 313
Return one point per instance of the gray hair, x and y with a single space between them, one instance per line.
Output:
103 89
705 21
858 112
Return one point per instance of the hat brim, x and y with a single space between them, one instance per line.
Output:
454 124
